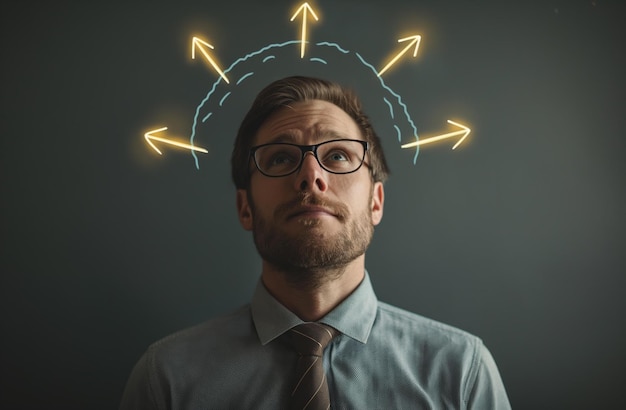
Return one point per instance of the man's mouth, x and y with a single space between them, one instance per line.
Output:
310 211
306 205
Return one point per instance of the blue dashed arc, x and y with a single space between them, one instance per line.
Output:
220 92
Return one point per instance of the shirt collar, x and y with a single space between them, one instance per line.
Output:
354 317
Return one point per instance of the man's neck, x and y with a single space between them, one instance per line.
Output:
311 303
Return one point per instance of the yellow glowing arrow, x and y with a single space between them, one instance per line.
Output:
196 42
415 41
149 137
465 132
303 8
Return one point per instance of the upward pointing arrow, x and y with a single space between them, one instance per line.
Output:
303 9
200 44
415 41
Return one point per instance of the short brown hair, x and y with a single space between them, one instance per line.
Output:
295 89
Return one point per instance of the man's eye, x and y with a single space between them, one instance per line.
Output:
281 158
337 156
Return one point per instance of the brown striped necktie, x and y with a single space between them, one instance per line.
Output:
310 388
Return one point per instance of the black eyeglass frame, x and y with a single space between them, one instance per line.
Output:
313 149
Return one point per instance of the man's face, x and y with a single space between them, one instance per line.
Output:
311 220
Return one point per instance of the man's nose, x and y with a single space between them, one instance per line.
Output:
311 176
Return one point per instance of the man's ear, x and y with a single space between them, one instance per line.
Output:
378 202
243 210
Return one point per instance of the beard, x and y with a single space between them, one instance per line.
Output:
311 256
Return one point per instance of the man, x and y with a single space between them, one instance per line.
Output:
309 172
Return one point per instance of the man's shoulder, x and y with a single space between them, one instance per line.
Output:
231 326
420 329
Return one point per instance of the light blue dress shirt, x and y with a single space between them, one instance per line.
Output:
384 358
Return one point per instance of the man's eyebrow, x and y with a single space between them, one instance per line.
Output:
334 135
320 136
283 137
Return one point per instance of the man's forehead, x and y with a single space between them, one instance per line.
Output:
313 119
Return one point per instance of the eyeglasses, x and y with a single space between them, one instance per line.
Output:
279 159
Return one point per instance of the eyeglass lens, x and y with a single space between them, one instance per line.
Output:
341 156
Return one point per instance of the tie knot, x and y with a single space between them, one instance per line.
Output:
311 339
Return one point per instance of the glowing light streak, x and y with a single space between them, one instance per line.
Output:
415 41
196 42
304 8
149 137
465 132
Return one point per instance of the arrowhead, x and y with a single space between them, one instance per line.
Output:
149 135
304 8
196 42
414 40
417 39
465 134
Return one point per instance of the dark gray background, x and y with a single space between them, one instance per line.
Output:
517 236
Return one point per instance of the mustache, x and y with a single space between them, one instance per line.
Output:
308 199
